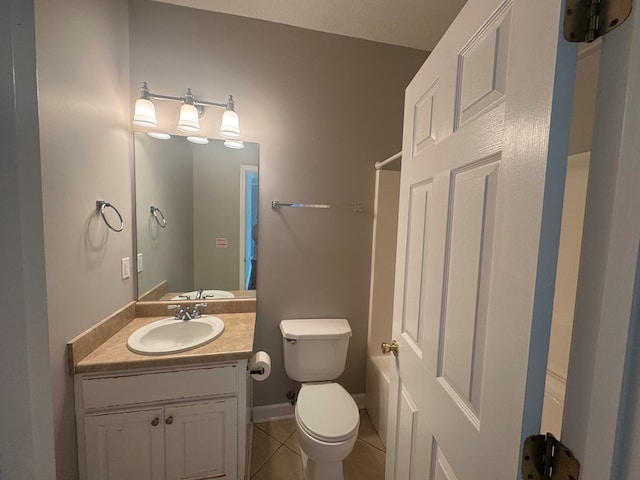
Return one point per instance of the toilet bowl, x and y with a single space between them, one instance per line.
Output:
327 417
327 422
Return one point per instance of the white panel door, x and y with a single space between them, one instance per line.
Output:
484 157
202 440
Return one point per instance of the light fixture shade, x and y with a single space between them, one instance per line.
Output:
188 121
230 127
159 135
237 144
145 113
198 140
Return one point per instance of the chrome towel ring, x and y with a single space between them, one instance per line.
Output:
101 205
161 221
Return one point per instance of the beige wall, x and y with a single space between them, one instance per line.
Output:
82 49
323 108
383 259
26 417
164 179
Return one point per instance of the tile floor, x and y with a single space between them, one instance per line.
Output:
276 454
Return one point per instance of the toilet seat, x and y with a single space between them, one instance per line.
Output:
327 412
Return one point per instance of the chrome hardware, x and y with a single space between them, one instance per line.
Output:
169 420
390 347
184 313
357 208
101 205
292 341
181 313
159 216
196 309
155 422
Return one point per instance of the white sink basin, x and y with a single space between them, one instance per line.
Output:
206 295
172 336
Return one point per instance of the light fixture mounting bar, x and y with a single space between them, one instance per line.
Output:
194 100
165 97
209 104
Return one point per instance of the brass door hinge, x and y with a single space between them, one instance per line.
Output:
586 20
546 458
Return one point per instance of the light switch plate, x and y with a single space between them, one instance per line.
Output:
139 262
126 271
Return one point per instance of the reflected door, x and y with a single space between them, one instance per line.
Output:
248 226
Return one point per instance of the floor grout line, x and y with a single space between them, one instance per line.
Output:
291 449
267 460
271 436
383 450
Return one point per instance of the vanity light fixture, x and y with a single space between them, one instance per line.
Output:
198 140
230 127
145 111
159 135
190 112
237 144
189 120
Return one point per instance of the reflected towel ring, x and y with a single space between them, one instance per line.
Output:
161 221
100 206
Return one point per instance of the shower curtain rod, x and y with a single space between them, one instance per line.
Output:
382 163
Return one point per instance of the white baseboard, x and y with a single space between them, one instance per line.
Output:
282 411
269 413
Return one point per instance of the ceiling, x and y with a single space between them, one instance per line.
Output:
409 23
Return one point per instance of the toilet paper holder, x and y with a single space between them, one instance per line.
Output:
259 367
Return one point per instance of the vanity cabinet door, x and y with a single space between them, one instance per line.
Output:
125 445
202 440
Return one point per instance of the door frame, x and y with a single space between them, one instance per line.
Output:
597 412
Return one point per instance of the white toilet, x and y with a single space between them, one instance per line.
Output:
327 417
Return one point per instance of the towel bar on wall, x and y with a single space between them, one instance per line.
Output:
357 208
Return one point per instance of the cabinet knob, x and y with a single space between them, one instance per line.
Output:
169 420
155 422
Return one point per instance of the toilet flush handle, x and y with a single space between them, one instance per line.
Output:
390 347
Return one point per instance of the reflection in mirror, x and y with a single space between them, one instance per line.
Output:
196 215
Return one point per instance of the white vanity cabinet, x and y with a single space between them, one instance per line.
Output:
174 423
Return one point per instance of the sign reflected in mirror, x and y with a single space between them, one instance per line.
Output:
196 219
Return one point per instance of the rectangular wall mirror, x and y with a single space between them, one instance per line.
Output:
196 219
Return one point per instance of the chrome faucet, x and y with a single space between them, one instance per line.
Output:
181 313
199 295
196 309
184 313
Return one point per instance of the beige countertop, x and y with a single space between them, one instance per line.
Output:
235 343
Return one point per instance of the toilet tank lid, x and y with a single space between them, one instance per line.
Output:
315 328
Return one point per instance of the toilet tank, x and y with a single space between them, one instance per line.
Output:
315 349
